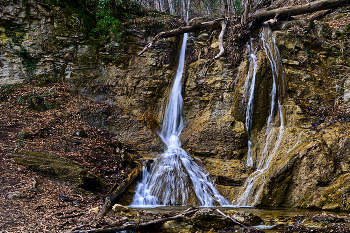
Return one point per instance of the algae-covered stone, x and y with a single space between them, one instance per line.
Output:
248 219
120 208
178 226
61 170
210 218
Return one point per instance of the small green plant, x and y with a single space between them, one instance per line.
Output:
16 34
29 62
237 6
20 143
5 92
38 101
106 20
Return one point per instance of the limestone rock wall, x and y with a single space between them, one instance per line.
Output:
311 165
44 44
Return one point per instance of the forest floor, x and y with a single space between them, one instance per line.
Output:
46 120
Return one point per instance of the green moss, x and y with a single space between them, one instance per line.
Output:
281 191
304 203
38 155
336 196
262 96
29 62
347 28
60 170
15 33
6 91
340 16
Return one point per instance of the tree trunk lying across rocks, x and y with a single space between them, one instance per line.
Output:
141 227
286 12
119 189
257 17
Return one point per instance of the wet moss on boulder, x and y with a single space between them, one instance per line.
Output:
60 170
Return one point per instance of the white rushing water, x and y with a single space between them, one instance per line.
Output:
175 178
253 187
249 87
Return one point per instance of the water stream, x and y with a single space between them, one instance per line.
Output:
249 88
253 187
175 178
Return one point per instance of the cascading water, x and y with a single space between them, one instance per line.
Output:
252 189
175 178
250 83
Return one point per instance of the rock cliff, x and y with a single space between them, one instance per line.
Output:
311 165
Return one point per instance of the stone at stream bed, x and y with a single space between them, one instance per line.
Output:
178 226
210 218
246 218
15 195
61 170
120 208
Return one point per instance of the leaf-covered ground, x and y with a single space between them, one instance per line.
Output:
46 120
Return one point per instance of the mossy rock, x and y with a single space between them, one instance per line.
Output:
61 170
209 218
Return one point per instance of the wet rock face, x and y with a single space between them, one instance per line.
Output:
309 167
311 61
220 138
209 218
309 172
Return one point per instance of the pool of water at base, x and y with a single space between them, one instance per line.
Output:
271 216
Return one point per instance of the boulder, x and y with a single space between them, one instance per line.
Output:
61 170
210 218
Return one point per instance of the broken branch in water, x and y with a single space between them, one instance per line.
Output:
235 221
141 225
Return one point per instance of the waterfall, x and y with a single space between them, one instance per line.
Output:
175 178
253 187
249 112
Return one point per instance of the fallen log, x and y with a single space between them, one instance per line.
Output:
286 12
141 225
181 30
119 189
233 220
259 16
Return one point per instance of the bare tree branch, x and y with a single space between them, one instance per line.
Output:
285 12
259 16
139 226
181 30
234 220
221 39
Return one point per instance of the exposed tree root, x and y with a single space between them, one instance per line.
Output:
221 39
258 17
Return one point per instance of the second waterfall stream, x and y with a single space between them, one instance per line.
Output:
175 178
253 187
